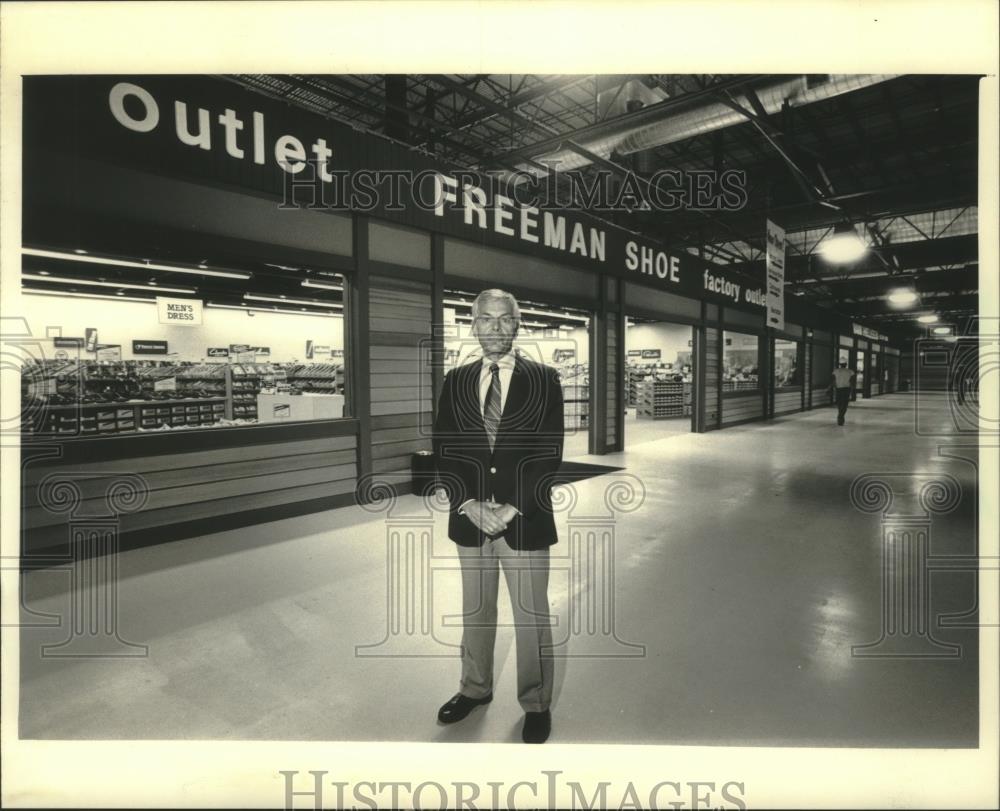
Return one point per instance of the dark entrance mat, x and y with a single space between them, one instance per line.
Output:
578 471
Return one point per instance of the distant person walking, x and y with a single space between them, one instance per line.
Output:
843 386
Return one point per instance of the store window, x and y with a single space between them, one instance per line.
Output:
843 357
786 364
140 346
740 368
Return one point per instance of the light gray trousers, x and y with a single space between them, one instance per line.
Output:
527 576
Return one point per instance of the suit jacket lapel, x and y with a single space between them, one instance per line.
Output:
471 405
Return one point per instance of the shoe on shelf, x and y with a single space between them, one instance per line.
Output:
459 707
537 726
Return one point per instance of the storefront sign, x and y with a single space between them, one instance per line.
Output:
152 347
109 352
68 343
217 352
180 312
650 354
211 131
868 332
775 271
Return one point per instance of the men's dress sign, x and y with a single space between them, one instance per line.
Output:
180 312
775 276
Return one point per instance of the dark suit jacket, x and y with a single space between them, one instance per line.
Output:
521 467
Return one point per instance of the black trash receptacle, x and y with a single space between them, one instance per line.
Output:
422 471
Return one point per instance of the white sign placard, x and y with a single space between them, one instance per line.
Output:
181 312
775 276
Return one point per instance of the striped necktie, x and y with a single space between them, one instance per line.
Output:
491 408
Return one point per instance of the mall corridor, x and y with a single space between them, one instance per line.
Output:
742 576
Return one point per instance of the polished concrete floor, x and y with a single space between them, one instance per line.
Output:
742 578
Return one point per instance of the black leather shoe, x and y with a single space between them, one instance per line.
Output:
537 726
459 707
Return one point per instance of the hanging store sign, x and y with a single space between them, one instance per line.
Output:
316 350
67 343
180 312
868 332
213 132
651 354
635 353
217 352
775 271
90 338
149 347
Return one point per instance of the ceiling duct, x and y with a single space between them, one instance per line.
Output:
626 98
797 91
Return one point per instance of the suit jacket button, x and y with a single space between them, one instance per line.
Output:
493 470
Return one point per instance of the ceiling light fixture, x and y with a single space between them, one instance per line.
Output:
555 314
941 330
284 300
126 263
277 310
903 297
843 246
928 319
322 285
49 279
67 294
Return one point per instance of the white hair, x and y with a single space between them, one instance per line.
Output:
496 293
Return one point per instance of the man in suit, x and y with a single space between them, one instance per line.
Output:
498 440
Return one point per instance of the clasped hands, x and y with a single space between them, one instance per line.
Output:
490 517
